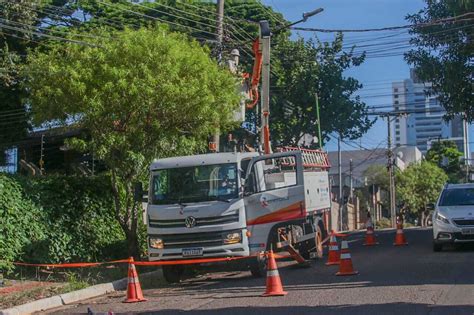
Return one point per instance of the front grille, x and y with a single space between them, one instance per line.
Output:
178 223
460 236
206 239
463 222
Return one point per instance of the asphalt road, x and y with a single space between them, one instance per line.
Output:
392 280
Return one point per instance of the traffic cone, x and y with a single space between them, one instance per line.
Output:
369 235
333 256
399 236
345 267
274 287
134 290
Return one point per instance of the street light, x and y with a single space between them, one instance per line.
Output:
306 16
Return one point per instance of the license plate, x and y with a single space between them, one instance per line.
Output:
467 231
187 252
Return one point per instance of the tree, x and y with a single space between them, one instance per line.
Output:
446 155
141 95
444 53
377 175
419 185
307 69
13 46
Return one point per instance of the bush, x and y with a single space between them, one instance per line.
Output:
384 223
72 219
20 222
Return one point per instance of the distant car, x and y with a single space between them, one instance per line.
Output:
453 216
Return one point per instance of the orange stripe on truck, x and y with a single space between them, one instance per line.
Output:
294 211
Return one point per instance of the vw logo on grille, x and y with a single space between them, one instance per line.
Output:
190 222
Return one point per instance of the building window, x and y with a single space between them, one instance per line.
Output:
397 133
395 90
396 96
396 102
397 120
397 108
397 139
397 126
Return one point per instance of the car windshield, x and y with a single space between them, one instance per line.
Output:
195 184
457 197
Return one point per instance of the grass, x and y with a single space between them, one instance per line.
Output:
39 283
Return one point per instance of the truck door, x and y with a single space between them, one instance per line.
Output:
273 193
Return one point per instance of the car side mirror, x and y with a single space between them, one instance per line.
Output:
430 206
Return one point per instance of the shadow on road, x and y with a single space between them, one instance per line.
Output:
390 308
382 265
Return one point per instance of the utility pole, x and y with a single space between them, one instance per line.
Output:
339 166
220 38
320 140
351 180
466 145
41 161
390 173
265 99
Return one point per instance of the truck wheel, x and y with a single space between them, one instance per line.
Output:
258 266
437 247
313 246
173 274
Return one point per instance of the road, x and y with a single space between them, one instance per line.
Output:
392 280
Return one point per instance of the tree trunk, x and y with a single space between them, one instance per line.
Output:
422 219
132 245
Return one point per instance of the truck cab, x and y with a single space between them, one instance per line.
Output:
233 204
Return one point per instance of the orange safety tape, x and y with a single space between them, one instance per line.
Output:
71 265
187 261
146 263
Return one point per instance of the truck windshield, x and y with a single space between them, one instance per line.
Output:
195 184
457 197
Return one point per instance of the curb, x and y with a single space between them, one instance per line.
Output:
73 297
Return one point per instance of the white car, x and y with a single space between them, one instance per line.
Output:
453 216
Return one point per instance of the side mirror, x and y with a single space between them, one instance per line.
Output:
139 192
430 206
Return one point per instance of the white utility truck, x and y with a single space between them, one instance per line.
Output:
240 204
237 204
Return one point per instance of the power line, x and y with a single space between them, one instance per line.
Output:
454 19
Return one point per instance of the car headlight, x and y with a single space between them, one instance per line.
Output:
441 218
156 243
233 238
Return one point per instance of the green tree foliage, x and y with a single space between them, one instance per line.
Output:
142 95
58 219
19 222
419 185
444 53
13 47
377 175
446 155
308 68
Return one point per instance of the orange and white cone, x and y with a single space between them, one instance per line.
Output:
134 290
274 287
333 255
370 235
399 236
345 267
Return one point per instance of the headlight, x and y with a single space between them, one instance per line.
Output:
156 243
233 238
441 218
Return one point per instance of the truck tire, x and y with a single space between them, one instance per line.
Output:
258 266
315 245
173 274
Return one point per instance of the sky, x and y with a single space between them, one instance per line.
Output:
376 74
